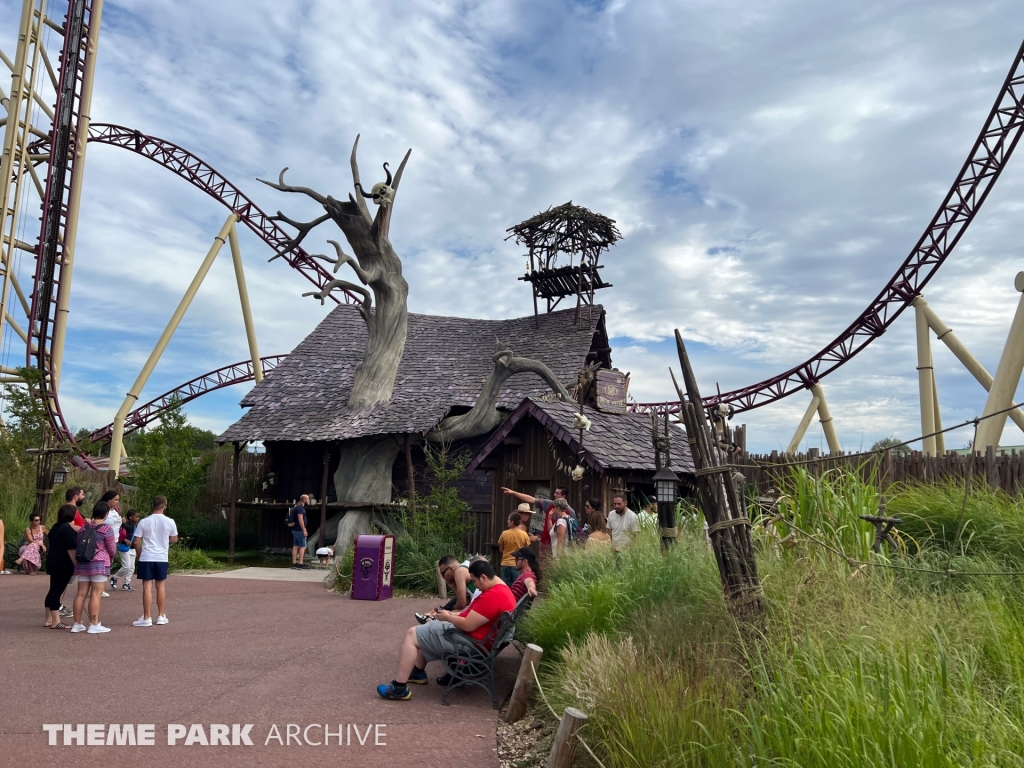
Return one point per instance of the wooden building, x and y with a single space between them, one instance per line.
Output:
300 412
536 448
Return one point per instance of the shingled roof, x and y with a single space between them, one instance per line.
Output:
614 441
446 361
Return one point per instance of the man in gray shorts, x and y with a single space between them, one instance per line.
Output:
427 642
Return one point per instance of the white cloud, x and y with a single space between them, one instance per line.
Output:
770 164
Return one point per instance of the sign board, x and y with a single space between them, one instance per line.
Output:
612 387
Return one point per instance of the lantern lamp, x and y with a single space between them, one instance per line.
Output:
60 475
666 485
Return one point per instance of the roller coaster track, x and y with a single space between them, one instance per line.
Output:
980 171
47 283
993 148
229 375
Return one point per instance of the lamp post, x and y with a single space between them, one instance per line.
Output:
666 485
46 477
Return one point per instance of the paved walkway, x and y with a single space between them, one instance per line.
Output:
237 651
309 575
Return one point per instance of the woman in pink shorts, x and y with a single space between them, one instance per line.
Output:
93 572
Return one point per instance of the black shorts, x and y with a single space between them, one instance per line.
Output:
151 571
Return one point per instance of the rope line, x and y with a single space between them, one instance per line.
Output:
877 451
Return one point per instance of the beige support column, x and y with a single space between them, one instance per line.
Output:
825 417
945 334
801 429
117 433
67 264
243 296
940 440
13 160
1004 385
924 381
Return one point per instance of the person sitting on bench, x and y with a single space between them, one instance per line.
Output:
458 578
427 642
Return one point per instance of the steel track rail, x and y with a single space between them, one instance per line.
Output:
229 375
984 164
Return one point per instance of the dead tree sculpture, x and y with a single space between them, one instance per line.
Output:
375 264
364 471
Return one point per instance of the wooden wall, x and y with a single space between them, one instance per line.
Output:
1000 470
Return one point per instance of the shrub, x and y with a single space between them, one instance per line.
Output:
188 559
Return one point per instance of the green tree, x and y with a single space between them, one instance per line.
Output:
892 443
171 460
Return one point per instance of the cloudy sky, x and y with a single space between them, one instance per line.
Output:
770 164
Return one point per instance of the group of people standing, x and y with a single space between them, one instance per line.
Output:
84 551
556 525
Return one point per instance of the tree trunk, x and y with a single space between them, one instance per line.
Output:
364 472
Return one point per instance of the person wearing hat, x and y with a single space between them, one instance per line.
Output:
527 574
511 540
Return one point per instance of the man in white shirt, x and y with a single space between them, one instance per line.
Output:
152 541
113 518
623 523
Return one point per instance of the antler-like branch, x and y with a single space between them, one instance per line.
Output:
282 187
304 227
364 308
398 173
358 198
344 258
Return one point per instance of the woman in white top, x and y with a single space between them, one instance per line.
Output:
559 532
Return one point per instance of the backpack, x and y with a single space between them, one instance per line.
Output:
85 550
575 532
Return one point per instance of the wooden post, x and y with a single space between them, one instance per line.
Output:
322 541
563 749
442 585
410 474
234 500
524 684
991 471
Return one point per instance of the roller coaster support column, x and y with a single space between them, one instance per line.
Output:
117 436
925 381
945 334
1004 385
60 323
820 406
805 422
243 296
825 417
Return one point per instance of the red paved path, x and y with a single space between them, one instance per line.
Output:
235 651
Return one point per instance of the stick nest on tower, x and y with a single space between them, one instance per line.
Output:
569 229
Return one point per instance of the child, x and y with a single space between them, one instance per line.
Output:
325 555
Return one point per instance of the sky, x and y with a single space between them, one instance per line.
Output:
769 164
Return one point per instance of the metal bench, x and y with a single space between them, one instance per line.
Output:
472 663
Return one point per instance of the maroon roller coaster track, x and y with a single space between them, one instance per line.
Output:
980 171
984 164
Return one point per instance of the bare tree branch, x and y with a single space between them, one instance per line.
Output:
344 258
398 174
364 308
484 416
304 227
282 187
358 197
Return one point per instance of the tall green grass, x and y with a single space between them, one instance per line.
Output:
857 666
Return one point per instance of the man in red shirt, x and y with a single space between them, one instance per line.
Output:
427 642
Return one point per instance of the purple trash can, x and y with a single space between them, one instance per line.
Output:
373 568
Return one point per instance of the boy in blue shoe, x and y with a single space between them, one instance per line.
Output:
427 642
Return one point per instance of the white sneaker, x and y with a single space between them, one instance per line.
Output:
142 622
161 620
105 594
78 627
97 629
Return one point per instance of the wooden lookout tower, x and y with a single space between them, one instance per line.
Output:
564 245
